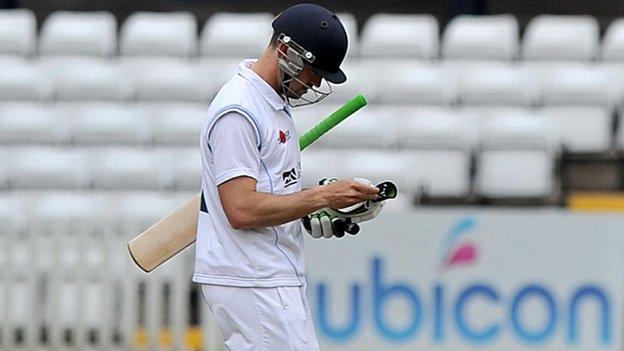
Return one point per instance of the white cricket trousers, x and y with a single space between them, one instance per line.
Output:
262 319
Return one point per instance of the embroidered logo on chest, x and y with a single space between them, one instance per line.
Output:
284 136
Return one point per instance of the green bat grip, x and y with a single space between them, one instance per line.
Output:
330 122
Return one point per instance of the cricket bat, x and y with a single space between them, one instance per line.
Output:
178 229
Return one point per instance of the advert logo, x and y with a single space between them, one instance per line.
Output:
443 313
457 250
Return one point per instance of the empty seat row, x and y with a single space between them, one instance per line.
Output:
101 123
496 37
147 79
380 80
577 128
437 172
100 168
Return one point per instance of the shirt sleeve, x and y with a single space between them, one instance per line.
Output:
234 144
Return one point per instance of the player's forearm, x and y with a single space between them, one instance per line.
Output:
264 210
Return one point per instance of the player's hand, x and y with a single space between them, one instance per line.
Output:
348 192
323 224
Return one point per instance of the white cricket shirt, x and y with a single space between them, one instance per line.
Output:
249 131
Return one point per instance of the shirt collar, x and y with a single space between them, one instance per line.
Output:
267 92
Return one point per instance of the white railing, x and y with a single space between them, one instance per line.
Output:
73 285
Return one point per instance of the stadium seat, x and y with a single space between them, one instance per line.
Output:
19 32
79 33
575 84
369 129
214 73
187 169
130 169
412 82
493 83
86 79
515 158
481 37
442 173
613 42
159 34
66 213
105 123
574 38
581 128
359 81
349 22
319 163
514 174
22 79
164 79
394 35
4 181
430 127
378 166
176 124
47 168
137 211
32 123
236 35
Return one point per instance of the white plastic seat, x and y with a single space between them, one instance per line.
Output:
576 84
103 123
442 172
319 163
368 129
19 32
514 174
613 42
581 128
378 166
159 34
187 169
214 73
47 168
481 37
138 211
574 38
177 124
431 127
409 82
79 33
68 211
23 79
4 180
86 79
494 83
515 158
29 122
164 79
395 35
129 169
237 35
349 22
359 81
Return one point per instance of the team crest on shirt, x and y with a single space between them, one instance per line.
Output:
284 136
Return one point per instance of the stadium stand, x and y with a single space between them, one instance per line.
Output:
31 123
613 42
21 79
